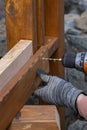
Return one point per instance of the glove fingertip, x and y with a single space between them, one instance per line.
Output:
40 72
43 75
37 92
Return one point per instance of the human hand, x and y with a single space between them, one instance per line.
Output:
57 91
82 105
49 92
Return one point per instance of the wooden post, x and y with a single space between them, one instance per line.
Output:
21 21
54 26
40 22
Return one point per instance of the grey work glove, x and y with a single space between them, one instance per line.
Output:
58 91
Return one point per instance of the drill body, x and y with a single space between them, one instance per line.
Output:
77 61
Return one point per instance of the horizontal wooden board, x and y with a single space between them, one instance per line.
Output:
18 90
14 60
37 118
35 126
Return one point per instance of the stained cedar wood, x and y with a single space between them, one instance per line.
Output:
12 62
37 118
61 51
18 90
40 22
54 26
21 21
35 126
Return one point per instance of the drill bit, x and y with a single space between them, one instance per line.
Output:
52 59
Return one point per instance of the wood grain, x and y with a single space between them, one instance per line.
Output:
54 26
61 52
37 118
23 84
21 21
43 17
40 23
35 126
51 17
14 60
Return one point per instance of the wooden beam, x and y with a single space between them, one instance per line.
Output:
21 21
37 118
14 60
14 95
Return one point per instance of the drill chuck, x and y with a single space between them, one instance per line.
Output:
69 60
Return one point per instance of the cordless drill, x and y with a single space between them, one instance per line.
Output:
72 60
78 61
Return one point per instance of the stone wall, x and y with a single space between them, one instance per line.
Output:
75 41
3 43
75 6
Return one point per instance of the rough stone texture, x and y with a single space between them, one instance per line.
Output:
3 43
78 125
78 42
75 41
81 23
2 10
70 21
71 5
75 6
82 5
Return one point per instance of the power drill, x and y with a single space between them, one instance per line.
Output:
78 61
72 60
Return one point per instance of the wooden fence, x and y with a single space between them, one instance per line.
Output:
39 25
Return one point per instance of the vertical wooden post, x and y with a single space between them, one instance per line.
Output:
51 17
54 26
21 21
61 35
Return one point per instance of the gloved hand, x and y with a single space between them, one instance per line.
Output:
58 91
